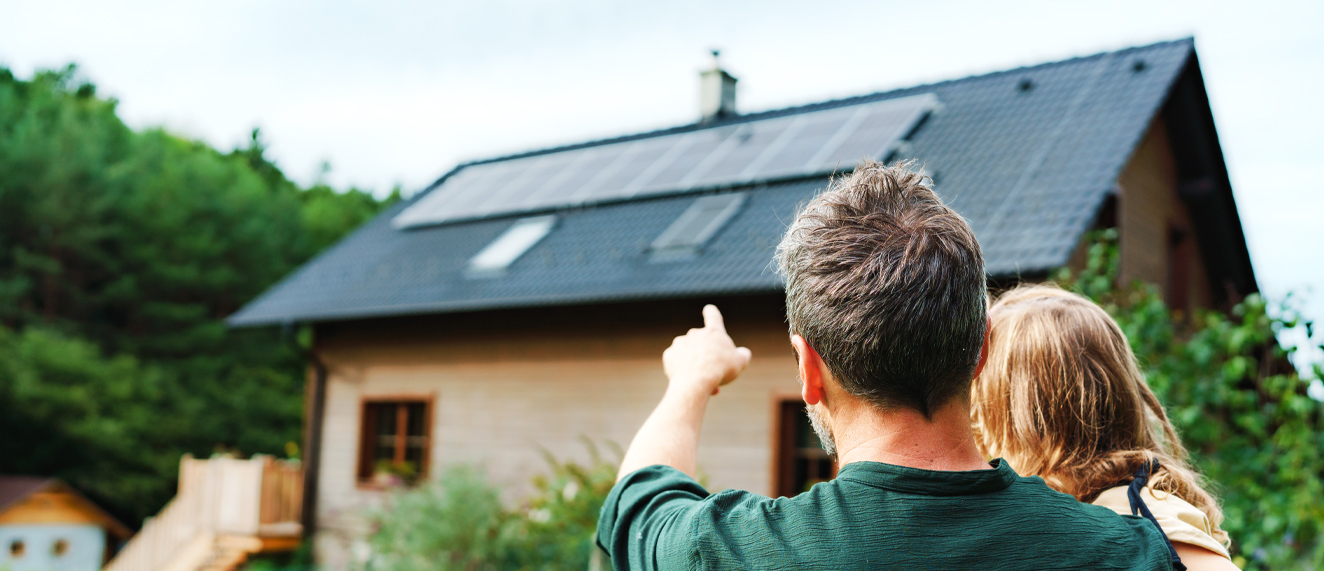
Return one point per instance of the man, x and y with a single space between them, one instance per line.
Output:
886 300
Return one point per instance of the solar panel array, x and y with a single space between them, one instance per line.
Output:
781 147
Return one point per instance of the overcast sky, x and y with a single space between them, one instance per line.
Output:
398 92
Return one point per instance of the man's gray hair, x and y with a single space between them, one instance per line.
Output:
887 284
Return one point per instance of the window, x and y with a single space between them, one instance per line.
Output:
16 548
696 225
60 547
394 440
801 460
510 245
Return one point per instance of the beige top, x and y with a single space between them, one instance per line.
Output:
1181 521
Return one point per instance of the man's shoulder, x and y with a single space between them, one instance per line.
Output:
1029 494
1035 495
1033 488
1103 529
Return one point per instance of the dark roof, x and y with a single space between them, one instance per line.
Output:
15 488
1028 156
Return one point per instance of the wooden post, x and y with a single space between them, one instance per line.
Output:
312 451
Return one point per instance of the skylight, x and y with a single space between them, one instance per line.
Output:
511 244
696 225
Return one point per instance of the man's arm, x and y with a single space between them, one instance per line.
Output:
697 364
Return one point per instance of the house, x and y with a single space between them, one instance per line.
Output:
45 525
522 302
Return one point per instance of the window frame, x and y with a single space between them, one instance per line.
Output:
784 445
511 245
363 470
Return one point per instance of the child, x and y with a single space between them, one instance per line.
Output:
1061 397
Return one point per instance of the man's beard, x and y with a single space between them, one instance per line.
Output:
823 430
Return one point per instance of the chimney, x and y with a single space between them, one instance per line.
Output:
717 92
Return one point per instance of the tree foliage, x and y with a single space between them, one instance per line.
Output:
1241 409
125 250
65 405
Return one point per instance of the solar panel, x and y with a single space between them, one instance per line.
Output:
632 164
466 203
697 146
746 148
461 183
815 132
874 131
785 137
533 178
587 164
803 144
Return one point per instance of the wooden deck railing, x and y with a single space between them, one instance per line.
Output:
281 502
258 498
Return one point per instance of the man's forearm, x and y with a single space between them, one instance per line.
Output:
670 436
697 364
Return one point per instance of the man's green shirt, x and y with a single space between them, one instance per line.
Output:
872 516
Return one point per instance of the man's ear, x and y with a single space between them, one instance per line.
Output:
983 349
811 371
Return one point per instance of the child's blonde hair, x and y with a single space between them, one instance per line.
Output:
1061 397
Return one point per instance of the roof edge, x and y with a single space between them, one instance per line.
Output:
513 303
499 303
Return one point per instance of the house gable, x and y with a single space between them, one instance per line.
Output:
1175 212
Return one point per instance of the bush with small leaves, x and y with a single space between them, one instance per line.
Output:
457 522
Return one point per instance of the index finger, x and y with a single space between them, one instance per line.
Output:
712 318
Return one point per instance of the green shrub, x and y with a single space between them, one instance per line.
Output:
453 523
555 529
457 522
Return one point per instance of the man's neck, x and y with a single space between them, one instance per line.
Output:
904 437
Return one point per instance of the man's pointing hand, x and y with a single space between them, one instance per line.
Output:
705 359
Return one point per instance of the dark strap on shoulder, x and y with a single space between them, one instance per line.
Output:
1138 507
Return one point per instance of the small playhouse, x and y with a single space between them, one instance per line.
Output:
45 525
